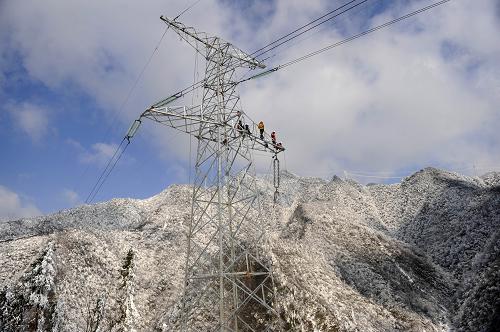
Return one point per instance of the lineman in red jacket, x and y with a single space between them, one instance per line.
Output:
273 137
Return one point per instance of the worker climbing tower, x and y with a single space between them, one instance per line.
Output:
228 283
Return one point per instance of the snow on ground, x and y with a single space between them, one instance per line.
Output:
421 255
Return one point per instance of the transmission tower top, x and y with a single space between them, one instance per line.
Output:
228 283
193 37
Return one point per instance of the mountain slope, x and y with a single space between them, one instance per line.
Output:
419 255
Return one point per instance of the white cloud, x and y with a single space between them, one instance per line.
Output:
102 46
13 206
423 92
178 172
71 196
31 119
100 153
74 144
391 100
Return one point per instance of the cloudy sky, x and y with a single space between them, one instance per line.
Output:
424 92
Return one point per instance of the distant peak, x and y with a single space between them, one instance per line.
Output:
491 178
336 179
288 174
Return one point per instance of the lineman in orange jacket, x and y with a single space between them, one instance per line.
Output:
261 129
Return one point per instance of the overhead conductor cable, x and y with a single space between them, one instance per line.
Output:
344 41
135 126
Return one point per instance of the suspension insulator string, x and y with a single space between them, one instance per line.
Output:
276 176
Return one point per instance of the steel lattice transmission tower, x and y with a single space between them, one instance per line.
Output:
228 284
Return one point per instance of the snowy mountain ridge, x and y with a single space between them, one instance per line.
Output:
423 254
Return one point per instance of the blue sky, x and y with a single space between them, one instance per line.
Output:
422 93
47 165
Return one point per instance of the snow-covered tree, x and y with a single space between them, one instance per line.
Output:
32 303
126 322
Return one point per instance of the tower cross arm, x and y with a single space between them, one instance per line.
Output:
187 119
192 120
193 37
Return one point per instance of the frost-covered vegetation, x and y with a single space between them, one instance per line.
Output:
421 255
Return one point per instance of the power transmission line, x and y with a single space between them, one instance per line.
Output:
111 169
344 41
302 58
185 10
94 190
313 27
300 28
151 58
97 186
373 176
261 51
116 157
297 41
284 65
198 84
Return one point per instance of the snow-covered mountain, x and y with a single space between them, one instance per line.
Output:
421 255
